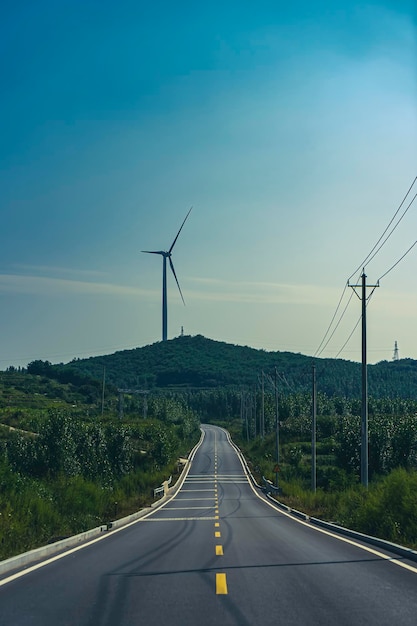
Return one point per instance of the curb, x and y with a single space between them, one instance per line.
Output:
37 554
407 553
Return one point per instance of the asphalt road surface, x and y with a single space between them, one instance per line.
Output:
216 553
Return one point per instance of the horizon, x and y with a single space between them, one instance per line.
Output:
178 337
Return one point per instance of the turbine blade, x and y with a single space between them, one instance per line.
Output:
175 276
174 242
152 252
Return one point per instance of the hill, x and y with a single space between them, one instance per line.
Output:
199 363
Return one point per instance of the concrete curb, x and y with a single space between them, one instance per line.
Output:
407 553
15 562
37 554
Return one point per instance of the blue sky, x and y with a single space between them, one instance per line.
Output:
290 129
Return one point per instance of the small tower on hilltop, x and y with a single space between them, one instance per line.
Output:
396 356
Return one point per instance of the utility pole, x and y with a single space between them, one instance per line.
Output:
248 406
102 393
396 356
276 427
121 404
263 407
244 412
313 433
145 404
241 409
364 411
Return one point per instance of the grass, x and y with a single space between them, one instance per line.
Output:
387 509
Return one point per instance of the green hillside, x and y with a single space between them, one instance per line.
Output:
198 362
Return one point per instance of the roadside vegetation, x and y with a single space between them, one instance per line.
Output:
69 462
65 467
387 509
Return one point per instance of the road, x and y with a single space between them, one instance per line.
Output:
216 553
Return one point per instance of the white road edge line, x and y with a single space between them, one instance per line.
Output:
52 559
317 529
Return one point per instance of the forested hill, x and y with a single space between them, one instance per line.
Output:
197 362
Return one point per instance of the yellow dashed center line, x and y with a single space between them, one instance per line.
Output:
221 584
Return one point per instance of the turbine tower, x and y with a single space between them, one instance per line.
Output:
165 256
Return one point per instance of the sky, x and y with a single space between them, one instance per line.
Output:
290 128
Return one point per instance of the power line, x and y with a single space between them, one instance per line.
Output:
354 328
388 236
349 338
399 260
367 258
331 322
337 325
374 251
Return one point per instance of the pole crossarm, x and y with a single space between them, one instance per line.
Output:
354 287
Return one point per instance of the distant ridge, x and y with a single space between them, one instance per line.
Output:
196 362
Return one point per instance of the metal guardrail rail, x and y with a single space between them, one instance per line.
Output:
269 487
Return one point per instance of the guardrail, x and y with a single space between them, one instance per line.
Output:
161 491
269 487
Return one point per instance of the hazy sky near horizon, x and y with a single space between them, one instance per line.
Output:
291 128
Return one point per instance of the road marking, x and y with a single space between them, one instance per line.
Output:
233 481
217 533
178 519
91 542
216 524
219 550
276 507
199 476
196 490
216 517
221 584
196 499
190 508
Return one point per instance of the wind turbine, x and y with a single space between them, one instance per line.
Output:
165 256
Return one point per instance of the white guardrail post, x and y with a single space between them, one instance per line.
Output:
163 489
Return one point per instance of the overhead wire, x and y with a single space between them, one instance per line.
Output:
368 258
337 325
349 338
355 327
371 255
389 235
397 262
317 352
